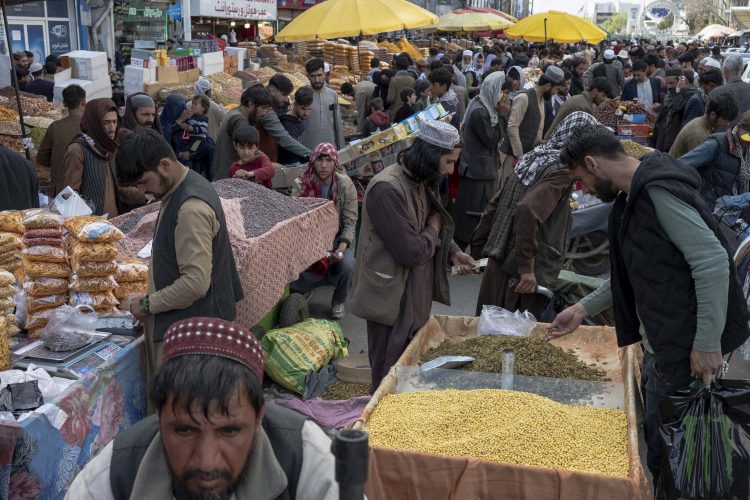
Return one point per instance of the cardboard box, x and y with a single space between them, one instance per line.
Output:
153 89
136 78
188 77
63 76
94 89
167 74
87 65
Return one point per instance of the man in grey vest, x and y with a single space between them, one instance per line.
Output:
192 271
213 437
526 121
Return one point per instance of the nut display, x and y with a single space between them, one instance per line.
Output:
503 426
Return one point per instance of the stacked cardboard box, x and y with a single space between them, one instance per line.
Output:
212 62
88 69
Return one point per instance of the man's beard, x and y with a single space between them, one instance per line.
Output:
163 184
605 190
317 86
183 492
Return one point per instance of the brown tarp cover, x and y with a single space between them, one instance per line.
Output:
395 474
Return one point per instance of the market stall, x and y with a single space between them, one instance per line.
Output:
265 229
441 475
40 456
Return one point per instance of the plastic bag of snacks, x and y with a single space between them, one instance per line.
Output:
33 242
44 253
92 252
9 241
36 304
7 291
92 229
93 285
131 270
55 233
6 278
37 218
45 269
39 287
131 289
93 269
7 304
95 300
291 353
38 320
11 221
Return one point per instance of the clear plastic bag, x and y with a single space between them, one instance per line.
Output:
69 328
33 242
96 300
36 304
49 232
6 278
37 320
93 285
9 241
45 269
11 221
70 204
131 289
93 252
45 254
495 320
7 291
39 287
93 269
92 229
36 218
131 270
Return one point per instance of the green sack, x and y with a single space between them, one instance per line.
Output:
290 353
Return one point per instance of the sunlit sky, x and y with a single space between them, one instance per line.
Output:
571 6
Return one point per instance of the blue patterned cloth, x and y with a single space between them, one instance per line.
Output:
99 405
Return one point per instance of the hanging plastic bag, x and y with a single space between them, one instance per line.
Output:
705 434
495 320
69 328
69 203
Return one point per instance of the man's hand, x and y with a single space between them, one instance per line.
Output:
135 310
568 320
337 254
465 263
705 365
527 284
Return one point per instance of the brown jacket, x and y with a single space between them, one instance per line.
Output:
581 102
379 280
52 150
346 204
401 81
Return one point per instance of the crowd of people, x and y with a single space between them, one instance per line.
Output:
492 180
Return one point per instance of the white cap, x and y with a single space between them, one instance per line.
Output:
710 62
468 53
609 54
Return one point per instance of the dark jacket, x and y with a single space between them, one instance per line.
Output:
295 127
480 157
19 182
717 163
741 92
43 87
651 280
630 90
669 123
376 121
225 289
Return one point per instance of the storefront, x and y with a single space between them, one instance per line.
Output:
43 27
247 18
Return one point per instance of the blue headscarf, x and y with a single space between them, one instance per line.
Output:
173 109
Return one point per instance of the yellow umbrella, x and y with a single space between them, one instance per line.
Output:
558 26
340 18
468 21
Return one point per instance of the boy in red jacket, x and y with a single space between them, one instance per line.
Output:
252 164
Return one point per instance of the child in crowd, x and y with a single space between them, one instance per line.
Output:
252 165
198 120
424 94
293 122
409 98
378 120
507 87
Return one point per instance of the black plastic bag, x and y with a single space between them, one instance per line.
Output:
705 432
21 397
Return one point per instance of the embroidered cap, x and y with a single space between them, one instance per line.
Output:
437 133
214 337
555 74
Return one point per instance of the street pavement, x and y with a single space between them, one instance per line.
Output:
464 290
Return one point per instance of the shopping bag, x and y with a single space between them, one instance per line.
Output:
705 433
69 204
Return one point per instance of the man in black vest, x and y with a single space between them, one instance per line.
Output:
213 436
192 271
673 282
526 120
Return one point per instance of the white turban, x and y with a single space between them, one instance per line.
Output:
202 86
468 53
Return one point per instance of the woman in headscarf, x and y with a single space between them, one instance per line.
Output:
89 161
517 76
524 228
323 179
481 132
473 74
197 154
